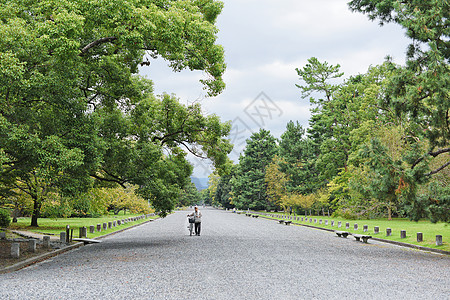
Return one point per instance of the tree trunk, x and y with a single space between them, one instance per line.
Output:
389 213
36 211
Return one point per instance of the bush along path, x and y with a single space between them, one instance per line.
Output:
21 248
436 241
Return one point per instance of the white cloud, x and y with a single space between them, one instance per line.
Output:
265 40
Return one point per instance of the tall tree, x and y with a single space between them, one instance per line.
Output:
66 77
420 90
249 188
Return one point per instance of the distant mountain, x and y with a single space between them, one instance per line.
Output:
200 183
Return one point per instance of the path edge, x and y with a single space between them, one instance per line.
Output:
33 260
416 247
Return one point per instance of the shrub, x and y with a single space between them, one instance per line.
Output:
5 218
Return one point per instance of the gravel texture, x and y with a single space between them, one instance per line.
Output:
236 257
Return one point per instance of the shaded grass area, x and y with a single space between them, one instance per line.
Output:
55 226
429 230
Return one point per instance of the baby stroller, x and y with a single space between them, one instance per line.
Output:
191 221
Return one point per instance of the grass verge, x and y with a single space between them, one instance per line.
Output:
429 230
55 226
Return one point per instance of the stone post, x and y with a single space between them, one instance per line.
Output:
310 220
419 237
82 232
15 250
388 232
315 220
110 225
347 225
326 222
355 227
62 237
403 234
339 224
332 223
320 221
365 228
32 245
91 229
376 230
99 227
302 219
439 240
46 241
119 222
105 226
2 235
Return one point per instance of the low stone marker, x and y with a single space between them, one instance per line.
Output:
355 227
388 232
315 221
2 235
119 222
332 223
62 237
403 234
439 240
419 237
82 232
310 220
376 230
99 227
109 225
32 245
302 219
91 229
339 224
105 226
320 221
46 241
365 228
15 250
347 225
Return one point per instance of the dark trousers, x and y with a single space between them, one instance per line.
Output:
197 228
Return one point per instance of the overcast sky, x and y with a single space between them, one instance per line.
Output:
264 41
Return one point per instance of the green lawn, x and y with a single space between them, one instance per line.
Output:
56 226
428 229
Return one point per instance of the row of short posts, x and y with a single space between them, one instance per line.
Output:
67 236
15 248
376 229
109 225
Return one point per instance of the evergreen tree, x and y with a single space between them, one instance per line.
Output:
249 187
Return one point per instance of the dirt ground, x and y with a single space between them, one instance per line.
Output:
5 252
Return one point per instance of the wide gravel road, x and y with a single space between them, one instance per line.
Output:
235 257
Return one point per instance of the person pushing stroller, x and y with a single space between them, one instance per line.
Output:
197 216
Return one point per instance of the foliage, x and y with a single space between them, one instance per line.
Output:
5 218
276 182
72 111
189 196
249 188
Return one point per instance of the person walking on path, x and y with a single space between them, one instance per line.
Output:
197 220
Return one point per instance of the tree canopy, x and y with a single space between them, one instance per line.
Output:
72 109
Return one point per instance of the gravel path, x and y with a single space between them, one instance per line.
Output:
235 257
